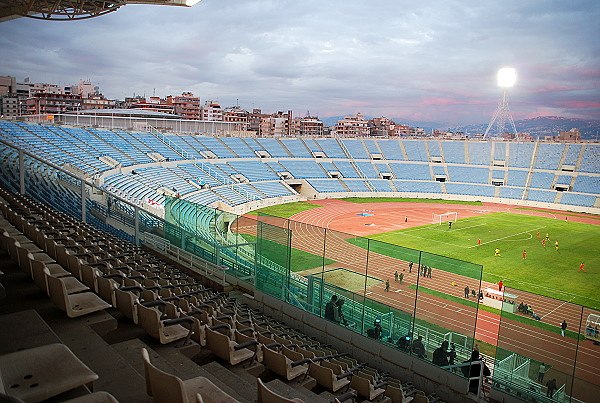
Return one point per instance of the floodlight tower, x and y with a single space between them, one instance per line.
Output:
507 76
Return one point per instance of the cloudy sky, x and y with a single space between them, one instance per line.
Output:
423 61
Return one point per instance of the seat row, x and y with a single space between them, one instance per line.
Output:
172 305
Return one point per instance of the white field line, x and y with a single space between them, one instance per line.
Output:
504 237
566 302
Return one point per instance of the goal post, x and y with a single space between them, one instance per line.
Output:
444 217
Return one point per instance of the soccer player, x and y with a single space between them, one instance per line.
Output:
581 267
547 236
538 235
479 241
556 245
497 252
449 224
544 242
524 254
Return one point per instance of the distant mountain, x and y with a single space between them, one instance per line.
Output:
545 126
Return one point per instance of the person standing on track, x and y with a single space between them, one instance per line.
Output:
387 285
401 277
467 292
410 265
396 276
500 285
563 327
405 218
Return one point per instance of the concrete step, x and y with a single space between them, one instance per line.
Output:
117 376
241 388
294 390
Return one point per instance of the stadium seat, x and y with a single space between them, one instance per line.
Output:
165 331
326 377
281 365
168 388
75 304
225 348
40 373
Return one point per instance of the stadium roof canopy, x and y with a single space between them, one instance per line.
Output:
72 9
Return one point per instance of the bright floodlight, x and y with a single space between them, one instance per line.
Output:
507 76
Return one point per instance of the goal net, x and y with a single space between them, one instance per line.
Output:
444 217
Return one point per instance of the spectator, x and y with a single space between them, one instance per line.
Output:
474 370
404 343
541 372
551 385
340 314
330 309
452 355
441 355
418 348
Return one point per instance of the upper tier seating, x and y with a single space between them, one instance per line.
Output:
198 167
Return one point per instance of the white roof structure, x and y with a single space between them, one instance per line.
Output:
73 9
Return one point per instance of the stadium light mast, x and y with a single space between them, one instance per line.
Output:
507 77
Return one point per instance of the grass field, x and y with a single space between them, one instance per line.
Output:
278 253
546 271
285 210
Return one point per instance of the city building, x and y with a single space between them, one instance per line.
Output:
48 103
185 105
307 126
237 115
352 126
571 135
277 124
212 111
155 104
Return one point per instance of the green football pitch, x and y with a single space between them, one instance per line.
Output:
546 271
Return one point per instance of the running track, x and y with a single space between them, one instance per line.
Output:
529 341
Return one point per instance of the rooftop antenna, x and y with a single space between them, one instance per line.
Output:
507 77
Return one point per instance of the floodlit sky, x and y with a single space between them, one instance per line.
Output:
428 61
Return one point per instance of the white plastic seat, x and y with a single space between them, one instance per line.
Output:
75 304
39 373
168 388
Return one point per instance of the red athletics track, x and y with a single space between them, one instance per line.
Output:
514 336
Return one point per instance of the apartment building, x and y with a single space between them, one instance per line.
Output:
185 105
352 126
